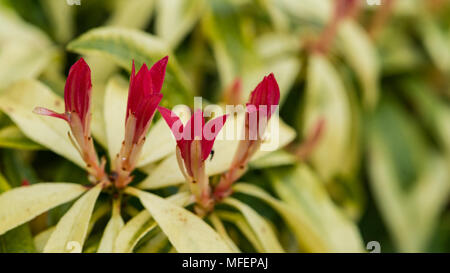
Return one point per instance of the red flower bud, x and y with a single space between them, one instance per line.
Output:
143 99
194 130
77 96
77 101
144 96
265 98
262 104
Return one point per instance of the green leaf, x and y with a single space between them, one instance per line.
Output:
361 55
167 172
141 224
259 225
433 111
18 103
326 98
31 201
71 230
123 45
12 137
17 240
186 231
175 18
4 186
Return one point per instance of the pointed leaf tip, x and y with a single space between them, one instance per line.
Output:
47 112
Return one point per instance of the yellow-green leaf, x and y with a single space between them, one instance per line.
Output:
220 228
132 14
361 55
327 99
61 16
12 137
260 226
41 239
302 190
239 221
22 204
140 225
404 172
307 237
112 229
25 49
186 231
18 103
71 230
175 18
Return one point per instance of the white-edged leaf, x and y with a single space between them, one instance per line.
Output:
167 172
18 103
186 231
260 226
20 205
71 230
140 225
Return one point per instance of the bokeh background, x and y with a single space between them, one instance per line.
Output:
366 88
